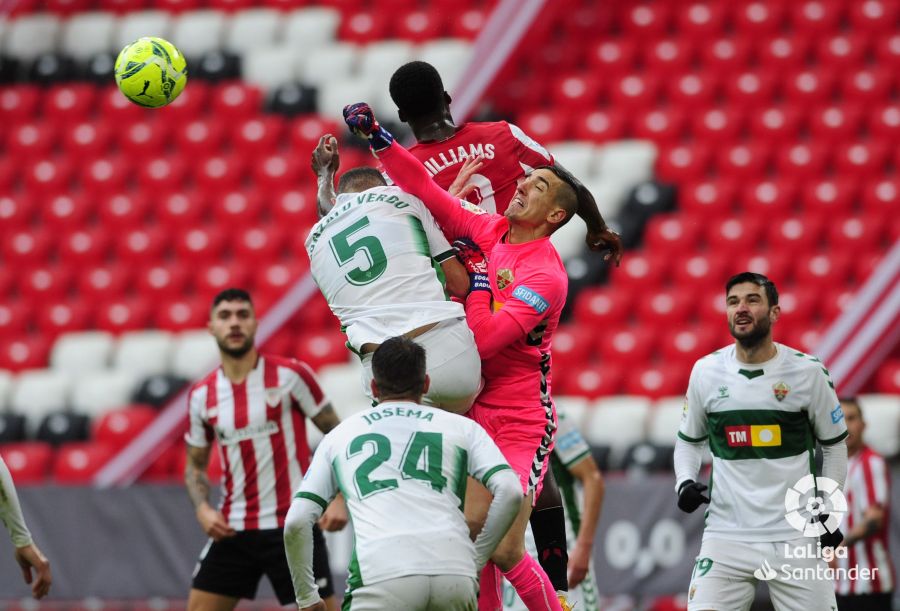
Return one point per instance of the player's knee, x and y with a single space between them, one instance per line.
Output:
508 554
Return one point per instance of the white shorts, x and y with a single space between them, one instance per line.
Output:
416 593
452 364
726 574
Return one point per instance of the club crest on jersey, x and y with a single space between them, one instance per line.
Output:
273 397
504 278
781 390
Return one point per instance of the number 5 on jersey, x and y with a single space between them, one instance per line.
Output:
345 252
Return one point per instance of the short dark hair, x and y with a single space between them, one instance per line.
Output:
852 401
360 179
231 294
417 89
757 279
398 367
570 194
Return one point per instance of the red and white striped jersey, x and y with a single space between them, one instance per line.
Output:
508 154
260 426
868 484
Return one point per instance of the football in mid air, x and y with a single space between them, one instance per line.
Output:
151 72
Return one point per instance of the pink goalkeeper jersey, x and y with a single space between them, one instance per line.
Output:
513 330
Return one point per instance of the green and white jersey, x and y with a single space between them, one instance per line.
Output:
762 422
371 257
402 469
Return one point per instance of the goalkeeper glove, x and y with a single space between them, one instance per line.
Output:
475 262
690 496
361 121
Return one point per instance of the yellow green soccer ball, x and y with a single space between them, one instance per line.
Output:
151 72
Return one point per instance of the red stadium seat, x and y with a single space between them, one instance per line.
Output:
200 137
576 92
161 470
784 52
142 246
118 427
561 55
868 86
816 16
283 343
144 138
686 345
802 161
726 56
45 283
769 199
776 265
28 246
546 126
419 26
219 173
180 209
672 232
711 199
873 16
717 126
810 87
777 125
796 235
15 318
842 51
162 172
798 305
858 233
19 103
744 161
669 55
24 352
363 27
211 279
661 126
304 132
49 176
467 24
656 381
640 269
323 348
600 125
63 211
806 339
711 307
664 308
832 197
87 139
189 105
16 211
635 91
589 381
9 174
202 244
881 197
124 211
887 379
277 172
862 160
758 18
699 270
887 52
273 280
122 6
124 315
116 110
106 175
703 20
28 462
182 314
614 57
687 162
693 89
816 269
68 7
104 282
85 247
32 139
231 6
258 135
260 242
885 121
603 308
238 208
733 234
645 21
78 462
751 89
69 103
294 208
571 347
868 262
834 124
836 303
630 347
66 316
162 282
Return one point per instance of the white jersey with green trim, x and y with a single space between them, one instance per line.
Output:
402 469
371 257
762 421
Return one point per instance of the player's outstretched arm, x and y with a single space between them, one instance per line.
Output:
588 474
197 484
325 161
27 554
298 547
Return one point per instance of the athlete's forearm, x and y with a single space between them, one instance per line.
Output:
325 194
298 547
195 479
11 511
493 332
688 457
593 491
507 491
834 462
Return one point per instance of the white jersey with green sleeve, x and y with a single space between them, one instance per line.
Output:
371 257
762 422
402 469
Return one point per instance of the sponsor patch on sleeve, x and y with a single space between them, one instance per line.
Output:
470 207
837 414
526 295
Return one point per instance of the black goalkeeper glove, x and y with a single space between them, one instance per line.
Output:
830 539
690 496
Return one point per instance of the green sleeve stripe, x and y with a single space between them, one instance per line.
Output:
577 459
691 439
445 255
828 442
492 471
309 496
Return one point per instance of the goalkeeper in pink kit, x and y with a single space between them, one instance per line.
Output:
513 308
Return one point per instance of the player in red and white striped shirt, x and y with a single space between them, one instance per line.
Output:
868 493
255 406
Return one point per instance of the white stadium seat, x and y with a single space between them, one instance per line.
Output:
310 28
569 239
882 416
197 32
333 96
269 67
329 62
4 28
580 158
142 23
144 353
97 393
609 193
628 161
6 386
449 56
378 60
37 393
617 422
665 418
31 35
573 409
86 34
77 353
253 28
343 386
194 355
